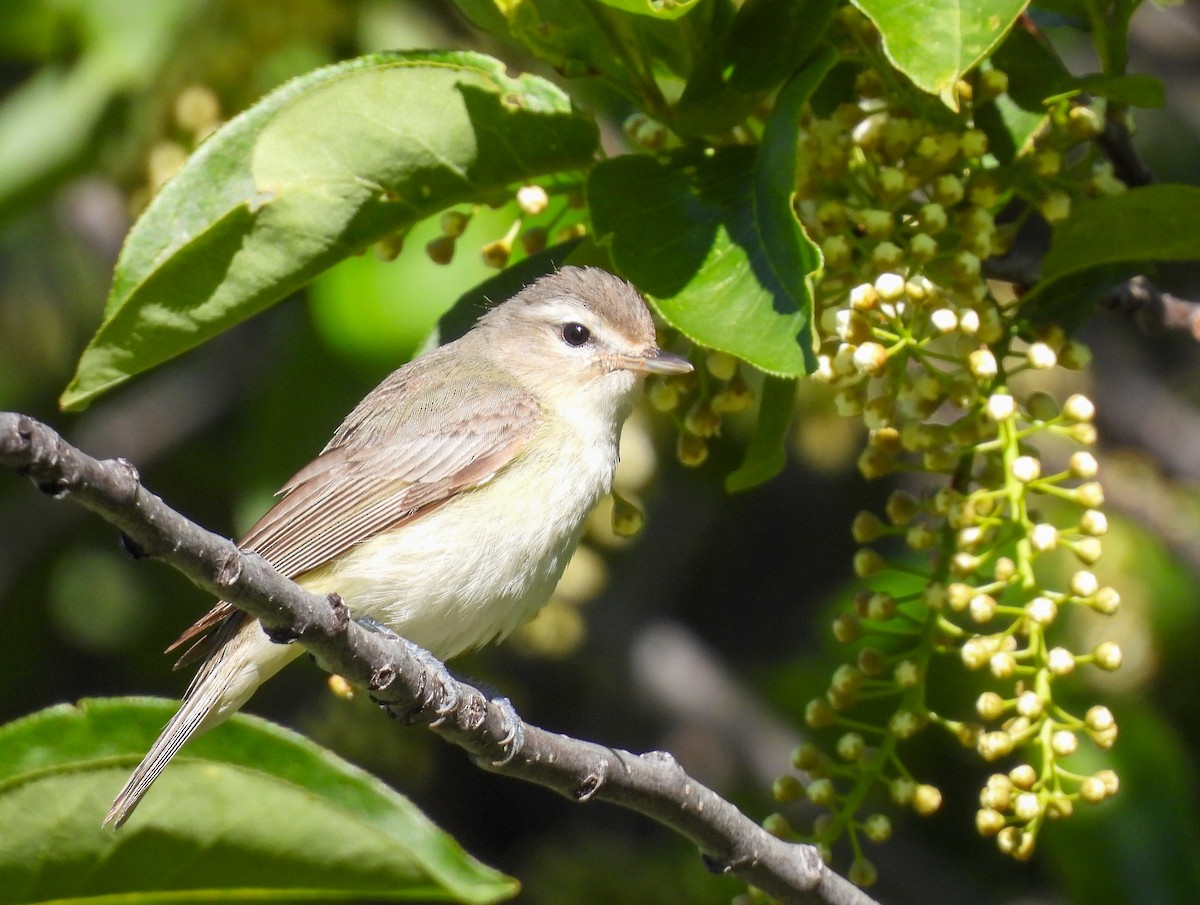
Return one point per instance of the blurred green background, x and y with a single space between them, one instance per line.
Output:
710 632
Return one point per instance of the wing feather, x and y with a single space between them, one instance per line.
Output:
400 454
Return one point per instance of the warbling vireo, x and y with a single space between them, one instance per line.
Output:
447 504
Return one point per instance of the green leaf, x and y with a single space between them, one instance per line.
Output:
1156 223
591 38
713 240
936 41
1035 73
766 41
1088 254
248 811
316 171
765 455
1135 90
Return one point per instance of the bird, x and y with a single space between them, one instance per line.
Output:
448 502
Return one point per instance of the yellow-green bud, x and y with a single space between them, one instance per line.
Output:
850 747
988 822
1107 656
989 705
927 799
821 792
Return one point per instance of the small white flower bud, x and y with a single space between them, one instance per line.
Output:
926 799
1060 661
863 297
1084 583
870 358
1041 610
988 822
982 607
982 364
1093 522
944 320
1002 665
1044 537
1107 601
1092 790
1023 776
1090 495
889 286
1026 469
532 199
1079 408
968 322
1030 704
994 745
989 705
1027 806
1064 742
1107 656
1000 407
1083 465
1099 718
1088 550
1040 356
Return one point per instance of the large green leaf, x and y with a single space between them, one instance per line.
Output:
764 43
1088 255
934 42
249 811
1156 223
766 454
713 240
316 171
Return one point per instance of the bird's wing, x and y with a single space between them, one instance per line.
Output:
379 473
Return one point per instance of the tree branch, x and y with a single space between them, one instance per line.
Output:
1154 310
402 679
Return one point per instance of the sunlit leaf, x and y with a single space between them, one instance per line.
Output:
935 42
316 171
247 812
713 240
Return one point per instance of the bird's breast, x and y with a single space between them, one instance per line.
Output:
475 568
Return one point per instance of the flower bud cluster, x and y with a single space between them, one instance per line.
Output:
914 342
543 215
700 401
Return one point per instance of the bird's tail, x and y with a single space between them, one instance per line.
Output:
226 680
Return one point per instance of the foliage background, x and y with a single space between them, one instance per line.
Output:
733 585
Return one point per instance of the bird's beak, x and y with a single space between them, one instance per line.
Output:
655 361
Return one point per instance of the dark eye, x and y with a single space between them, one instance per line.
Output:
575 334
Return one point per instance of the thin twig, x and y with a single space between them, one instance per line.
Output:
401 680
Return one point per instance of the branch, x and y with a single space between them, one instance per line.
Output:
1154 310
403 679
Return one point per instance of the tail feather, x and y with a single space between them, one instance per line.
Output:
187 722
242 659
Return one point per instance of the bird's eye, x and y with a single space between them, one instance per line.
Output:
575 334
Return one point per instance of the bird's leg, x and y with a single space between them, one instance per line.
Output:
514 737
447 693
